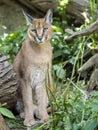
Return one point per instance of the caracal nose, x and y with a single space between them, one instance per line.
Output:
40 38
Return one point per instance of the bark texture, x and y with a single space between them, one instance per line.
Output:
76 8
93 28
8 83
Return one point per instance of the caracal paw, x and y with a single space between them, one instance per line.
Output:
22 115
45 118
29 122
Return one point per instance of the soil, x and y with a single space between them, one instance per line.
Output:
11 18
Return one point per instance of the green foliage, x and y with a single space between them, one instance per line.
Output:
11 43
76 110
6 112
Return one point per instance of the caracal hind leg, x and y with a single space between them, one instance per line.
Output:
42 99
28 104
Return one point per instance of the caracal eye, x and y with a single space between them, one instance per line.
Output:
45 29
34 30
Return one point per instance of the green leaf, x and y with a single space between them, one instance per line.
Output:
66 51
72 60
68 123
94 94
94 106
61 73
90 125
57 29
55 67
5 49
7 113
57 53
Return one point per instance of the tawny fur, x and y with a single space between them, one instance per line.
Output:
32 65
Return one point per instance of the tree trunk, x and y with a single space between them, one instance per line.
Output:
8 83
79 9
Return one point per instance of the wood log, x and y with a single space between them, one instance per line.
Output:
93 28
79 9
3 125
8 83
39 6
93 81
76 8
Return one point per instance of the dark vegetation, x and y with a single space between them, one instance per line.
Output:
77 109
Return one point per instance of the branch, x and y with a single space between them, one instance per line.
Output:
93 28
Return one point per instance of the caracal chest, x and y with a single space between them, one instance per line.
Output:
38 67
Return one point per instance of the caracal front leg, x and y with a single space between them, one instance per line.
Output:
28 103
42 101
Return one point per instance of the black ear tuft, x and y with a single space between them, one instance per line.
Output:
28 17
49 15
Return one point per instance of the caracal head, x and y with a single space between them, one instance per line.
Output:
40 30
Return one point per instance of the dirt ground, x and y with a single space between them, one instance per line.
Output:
11 19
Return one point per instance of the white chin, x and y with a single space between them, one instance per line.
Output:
40 43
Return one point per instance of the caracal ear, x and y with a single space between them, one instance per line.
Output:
48 17
28 17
